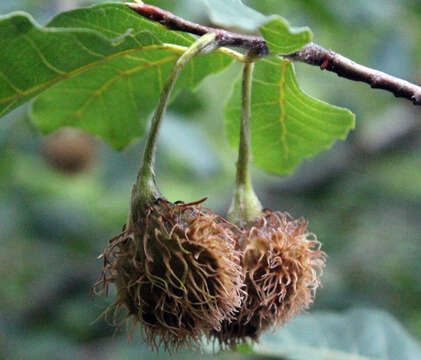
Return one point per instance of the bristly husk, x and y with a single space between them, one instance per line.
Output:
176 272
282 264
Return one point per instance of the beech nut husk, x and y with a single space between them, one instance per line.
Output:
282 263
177 272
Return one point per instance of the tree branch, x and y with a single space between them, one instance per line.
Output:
314 54
224 37
311 54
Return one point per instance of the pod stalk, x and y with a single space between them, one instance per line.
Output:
245 206
145 190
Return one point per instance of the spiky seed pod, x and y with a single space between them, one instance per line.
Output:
282 263
176 272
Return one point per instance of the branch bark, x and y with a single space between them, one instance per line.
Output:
311 54
316 55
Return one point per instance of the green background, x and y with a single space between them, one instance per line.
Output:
362 198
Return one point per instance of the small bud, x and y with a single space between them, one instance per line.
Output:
282 263
176 272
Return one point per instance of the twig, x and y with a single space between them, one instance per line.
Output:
223 37
314 54
311 54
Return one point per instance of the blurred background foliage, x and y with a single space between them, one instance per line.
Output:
59 205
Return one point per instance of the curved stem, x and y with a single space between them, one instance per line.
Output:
145 188
245 206
243 172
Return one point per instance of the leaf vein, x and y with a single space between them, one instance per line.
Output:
131 92
89 25
313 121
259 81
42 57
87 50
269 103
13 86
81 69
6 109
78 114
186 38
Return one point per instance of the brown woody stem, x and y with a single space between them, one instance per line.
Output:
311 54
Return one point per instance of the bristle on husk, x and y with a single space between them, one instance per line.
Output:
282 264
176 272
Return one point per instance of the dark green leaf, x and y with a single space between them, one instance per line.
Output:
233 14
287 125
283 39
34 58
108 65
280 36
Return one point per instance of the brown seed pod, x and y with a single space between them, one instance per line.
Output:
176 272
282 263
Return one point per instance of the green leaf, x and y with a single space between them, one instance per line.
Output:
279 35
283 39
287 125
34 58
105 67
233 14
356 335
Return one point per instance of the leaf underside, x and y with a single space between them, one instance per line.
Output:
283 39
287 125
102 67
233 14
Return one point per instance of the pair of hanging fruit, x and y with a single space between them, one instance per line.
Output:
184 272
